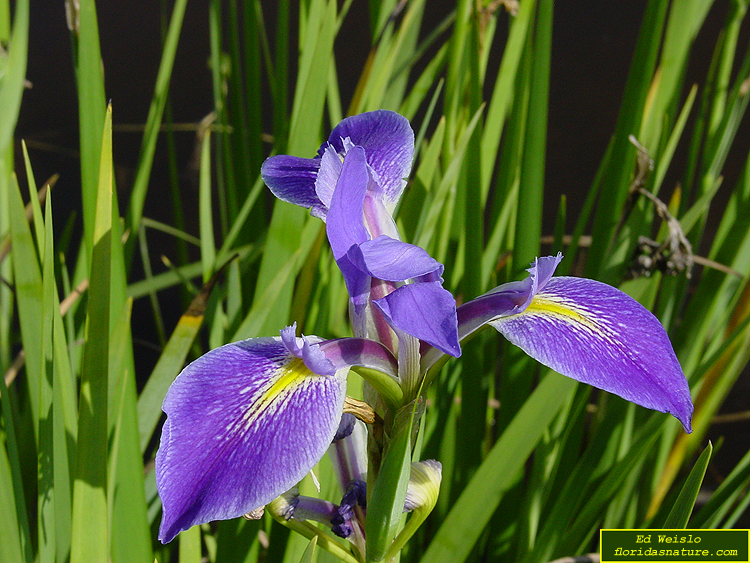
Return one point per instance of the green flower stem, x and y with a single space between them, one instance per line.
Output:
412 525
385 500
310 531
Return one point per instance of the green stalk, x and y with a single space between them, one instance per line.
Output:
530 202
47 493
475 384
155 113
90 512
14 69
18 546
91 103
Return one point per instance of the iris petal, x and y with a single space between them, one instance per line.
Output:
425 310
292 179
307 348
598 335
388 140
389 259
507 299
328 175
357 283
344 224
245 422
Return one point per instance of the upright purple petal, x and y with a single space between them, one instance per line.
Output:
344 224
245 422
292 179
541 271
425 310
328 175
598 335
388 141
378 219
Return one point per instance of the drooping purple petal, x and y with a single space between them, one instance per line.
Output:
344 224
598 335
245 422
389 259
388 140
425 310
292 179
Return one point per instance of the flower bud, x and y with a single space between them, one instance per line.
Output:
424 485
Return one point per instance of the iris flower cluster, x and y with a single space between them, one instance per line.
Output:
247 421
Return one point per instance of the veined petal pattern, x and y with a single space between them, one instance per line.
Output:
598 335
245 422
388 140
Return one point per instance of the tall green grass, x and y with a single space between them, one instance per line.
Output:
533 464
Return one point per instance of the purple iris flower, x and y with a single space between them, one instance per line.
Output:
354 184
247 421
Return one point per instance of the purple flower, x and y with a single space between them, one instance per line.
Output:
247 421
386 137
354 183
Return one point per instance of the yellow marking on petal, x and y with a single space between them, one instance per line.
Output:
294 372
292 375
559 308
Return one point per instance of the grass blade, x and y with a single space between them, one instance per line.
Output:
307 112
155 113
683 506
92 104
13 81
464 524
13 544
47 488
529 215
90 541
208 248
29 296
14 516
